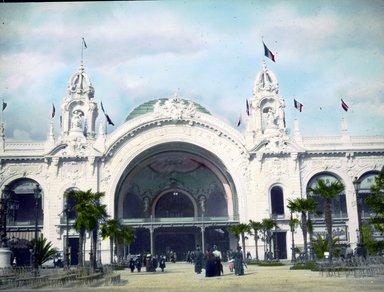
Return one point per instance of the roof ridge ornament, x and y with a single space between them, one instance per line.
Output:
175 108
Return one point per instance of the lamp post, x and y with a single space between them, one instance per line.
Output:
360 243
37 195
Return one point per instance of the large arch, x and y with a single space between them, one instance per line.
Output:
176 187
177 167
26 211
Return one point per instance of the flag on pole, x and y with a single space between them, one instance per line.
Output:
109 120
84 43
4 105
106 116
239 121
102 108
247 104
344 105
268 53
298 105
53 111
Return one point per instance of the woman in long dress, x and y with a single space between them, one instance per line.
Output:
239 261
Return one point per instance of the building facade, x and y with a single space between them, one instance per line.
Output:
180 176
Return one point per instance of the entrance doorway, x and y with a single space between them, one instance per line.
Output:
73 246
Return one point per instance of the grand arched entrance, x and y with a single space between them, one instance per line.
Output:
175 196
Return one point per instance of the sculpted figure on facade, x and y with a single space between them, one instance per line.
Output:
76 119
271 120
202 200
146 202
175 108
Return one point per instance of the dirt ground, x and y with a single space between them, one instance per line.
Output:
181 277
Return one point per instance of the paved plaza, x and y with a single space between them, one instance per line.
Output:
181 277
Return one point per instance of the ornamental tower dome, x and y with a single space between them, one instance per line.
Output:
267 109
79 110
80 85
265 81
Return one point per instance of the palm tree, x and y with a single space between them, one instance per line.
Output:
45 250
89 211
303 206
125 236
117 234
100 212
110 229
376 201
256 226
268 225
328 192
239 231
321 245
293 222
310 232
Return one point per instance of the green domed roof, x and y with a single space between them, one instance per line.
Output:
147 107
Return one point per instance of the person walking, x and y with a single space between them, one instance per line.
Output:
239 262
218 265
162 263
198 260
139 262
148 262
154 263
210 264
132 264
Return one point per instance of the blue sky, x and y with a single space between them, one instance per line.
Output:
207 51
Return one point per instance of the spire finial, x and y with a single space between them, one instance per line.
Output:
83 46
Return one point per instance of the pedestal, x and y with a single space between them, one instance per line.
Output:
5 257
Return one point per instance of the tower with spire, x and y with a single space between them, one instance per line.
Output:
79 110
266 120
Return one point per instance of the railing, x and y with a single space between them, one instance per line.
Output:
173 220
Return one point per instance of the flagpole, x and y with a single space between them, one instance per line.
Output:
82 49
2 111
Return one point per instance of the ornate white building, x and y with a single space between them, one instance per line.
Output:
180 176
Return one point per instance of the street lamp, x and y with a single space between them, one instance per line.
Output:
360 243
37 195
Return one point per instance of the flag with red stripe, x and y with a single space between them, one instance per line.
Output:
268 53
298 105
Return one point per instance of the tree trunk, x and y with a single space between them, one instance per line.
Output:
256 247
243 244
328 222
305 231
81 248
94 249
311 255
111 246
269 243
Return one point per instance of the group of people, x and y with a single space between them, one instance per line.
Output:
151 263
211 261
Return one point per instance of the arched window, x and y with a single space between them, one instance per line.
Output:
216 205
366 182
24 196
70 203
339 204
277 201
132 206
174 204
